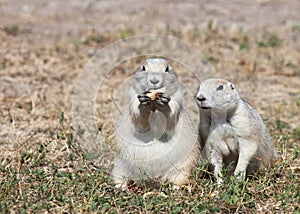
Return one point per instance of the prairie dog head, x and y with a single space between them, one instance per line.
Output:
217 94
155 73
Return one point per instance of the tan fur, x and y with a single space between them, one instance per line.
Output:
231 131
155 142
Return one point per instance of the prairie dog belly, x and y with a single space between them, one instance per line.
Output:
156 157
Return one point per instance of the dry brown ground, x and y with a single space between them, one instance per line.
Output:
45 45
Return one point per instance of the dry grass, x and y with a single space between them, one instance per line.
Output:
43 169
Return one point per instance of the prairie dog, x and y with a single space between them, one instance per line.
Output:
155 138
232 133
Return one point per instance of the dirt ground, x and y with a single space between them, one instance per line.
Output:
44 47
46 44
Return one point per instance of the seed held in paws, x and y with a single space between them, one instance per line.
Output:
153 93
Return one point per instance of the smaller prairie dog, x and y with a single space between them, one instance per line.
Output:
231 132
155 139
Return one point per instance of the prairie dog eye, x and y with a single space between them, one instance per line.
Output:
220 87
167 69
143 68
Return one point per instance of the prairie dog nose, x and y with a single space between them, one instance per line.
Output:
154 81
201 98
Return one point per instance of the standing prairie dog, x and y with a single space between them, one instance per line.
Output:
231 131
155 139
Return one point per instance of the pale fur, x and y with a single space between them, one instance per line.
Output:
232 133
161 144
